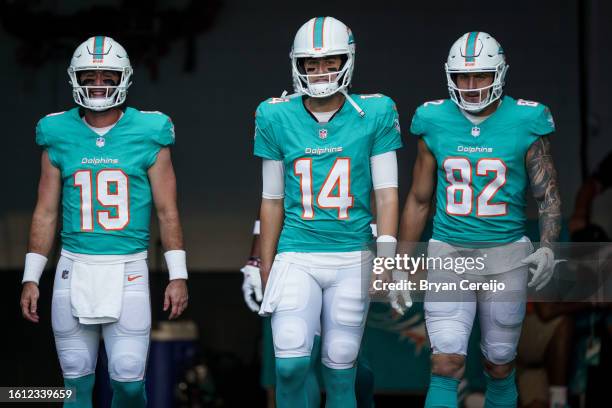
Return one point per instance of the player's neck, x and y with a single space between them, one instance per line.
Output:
328 104
102 119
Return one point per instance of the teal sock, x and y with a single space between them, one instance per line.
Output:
82 387
340 387
129 394
364 384
291 390
501 393
312 382
442 392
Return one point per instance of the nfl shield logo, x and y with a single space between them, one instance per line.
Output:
65 274
100 141
323 133
475 131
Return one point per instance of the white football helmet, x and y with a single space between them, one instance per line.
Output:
322 37
476 51
100 53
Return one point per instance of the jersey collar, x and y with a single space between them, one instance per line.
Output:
338 113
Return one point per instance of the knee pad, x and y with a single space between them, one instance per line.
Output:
447 343
499 353
127 341
340 349
290 336
75 362
449 325
127 366
500 339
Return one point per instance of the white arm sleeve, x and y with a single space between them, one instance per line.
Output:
384 170
273 172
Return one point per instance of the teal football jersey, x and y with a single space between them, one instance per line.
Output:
327 169
481 174
106 195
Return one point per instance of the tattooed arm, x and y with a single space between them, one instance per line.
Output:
543 180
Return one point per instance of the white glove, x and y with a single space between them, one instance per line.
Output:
544 261
251 285
400 299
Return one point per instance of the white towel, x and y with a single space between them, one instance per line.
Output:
274 288
96 292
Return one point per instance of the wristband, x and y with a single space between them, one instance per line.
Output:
386 246
34 266
254 261
177 264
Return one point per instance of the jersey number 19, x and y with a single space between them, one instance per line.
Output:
112 190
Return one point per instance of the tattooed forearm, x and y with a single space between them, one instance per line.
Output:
543 180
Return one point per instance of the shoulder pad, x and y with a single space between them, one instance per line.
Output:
368 96
273 106
55 114
529 109
376 103
433 107
154 116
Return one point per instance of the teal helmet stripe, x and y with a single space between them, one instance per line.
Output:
317 35
98 48
470 47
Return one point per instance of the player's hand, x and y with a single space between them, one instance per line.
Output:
29 301
176 297
542 265
251 285
400 299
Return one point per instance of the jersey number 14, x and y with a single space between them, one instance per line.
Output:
339 176
111 190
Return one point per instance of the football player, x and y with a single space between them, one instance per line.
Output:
322 155
108 163
251 287
480 150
